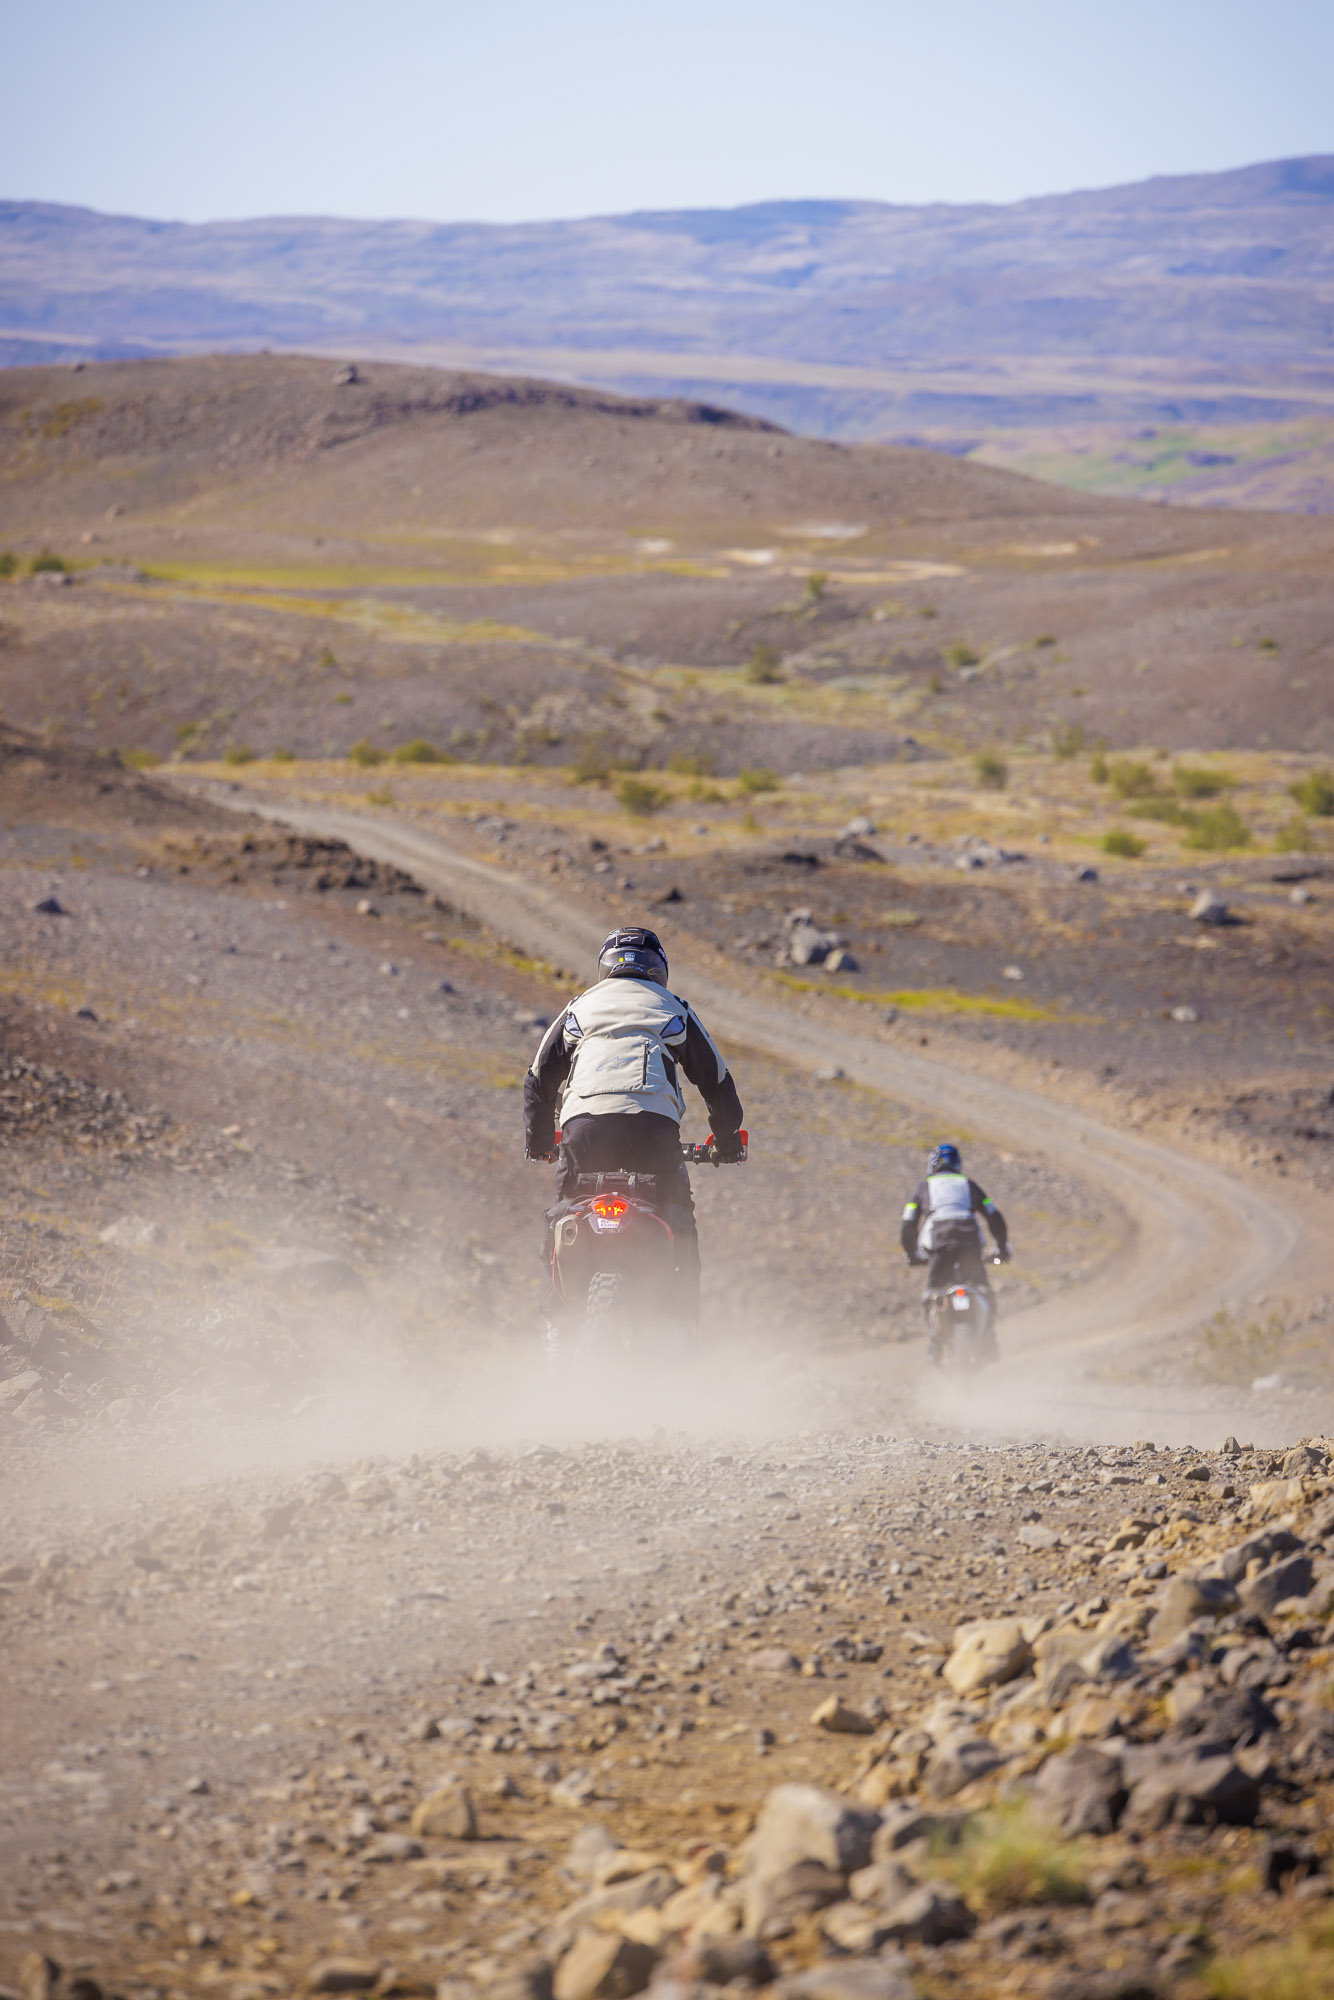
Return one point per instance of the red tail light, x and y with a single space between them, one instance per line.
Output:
610 1207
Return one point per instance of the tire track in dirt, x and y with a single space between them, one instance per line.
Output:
1199 1236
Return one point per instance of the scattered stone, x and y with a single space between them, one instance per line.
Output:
602 1966
775 1660
987 1654
1208 908
1263 1594
838 1719
851 1979
447 1814
1186 1598
344 1975
1081 1790
50 906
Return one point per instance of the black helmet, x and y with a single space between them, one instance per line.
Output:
946 1159
633 954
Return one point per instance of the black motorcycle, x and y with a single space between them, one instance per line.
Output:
961 1327
614 1261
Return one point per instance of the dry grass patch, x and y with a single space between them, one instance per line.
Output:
1009 1859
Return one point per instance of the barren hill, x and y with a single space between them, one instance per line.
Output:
264 553
1179 304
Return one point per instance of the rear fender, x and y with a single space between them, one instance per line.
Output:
640 1244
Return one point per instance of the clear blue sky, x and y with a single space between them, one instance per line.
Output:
510 109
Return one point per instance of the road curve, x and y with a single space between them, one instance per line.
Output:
1199 1236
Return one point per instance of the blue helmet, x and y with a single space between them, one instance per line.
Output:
946 1159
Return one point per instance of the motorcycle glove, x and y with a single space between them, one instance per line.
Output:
728 1147
530 1153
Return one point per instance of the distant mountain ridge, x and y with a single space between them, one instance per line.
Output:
1201 298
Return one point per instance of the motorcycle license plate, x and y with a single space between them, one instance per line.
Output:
960 1302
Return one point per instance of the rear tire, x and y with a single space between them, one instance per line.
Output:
603 1330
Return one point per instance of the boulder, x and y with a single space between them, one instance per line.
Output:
774 1902
987 1654
1262 1548
834 1715
1193 1791
1186 1598
602 1966
806 1823
1208 908
344 1975
957 1762
1081 1790
851 1979
1262 1594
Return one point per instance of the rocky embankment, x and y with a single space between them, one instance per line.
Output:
851 1719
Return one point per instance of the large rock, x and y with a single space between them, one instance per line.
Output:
1262 1548
1262 1594
806 1823
1208 908
1193 1791
344 1975
602 1966
958 1761
1081 1790
851 1979
834 1715
987 1654
774 1903
447 1814
1187 1598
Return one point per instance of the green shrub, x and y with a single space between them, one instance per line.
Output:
1160 805
816 585
1266 645
1294 838
1121 841
1068 740
1218 829
1193 782
1008 1859
282 756
592 760
419 751
1045 639
691 764
238 753
759 780
1298 1968
1315 793
48 560
9 562
765 666
365 754
141 760
991 770
1130 780
961 654
640 798
1099 769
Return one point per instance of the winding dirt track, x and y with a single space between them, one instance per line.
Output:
1199 1236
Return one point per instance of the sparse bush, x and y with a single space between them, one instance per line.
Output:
342 701
1194 782
758 780
817 583
1009 1860
382 795
419 751
1215 831
1045 639
1160 805
238 753
991 770
961 654
691 764
1315 793
765 666
365 754
592 760
1294 838
282 756
9 562
1298 1968
1121 841
327 657
1068 740
1099 769
1130 780
141 760
1266 645
933 683
48 560
1235 1350
641 798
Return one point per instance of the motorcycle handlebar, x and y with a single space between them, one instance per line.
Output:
707 1154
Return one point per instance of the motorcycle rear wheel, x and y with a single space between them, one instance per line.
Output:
603 1323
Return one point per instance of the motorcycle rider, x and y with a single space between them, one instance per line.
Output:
942 1220
611 1061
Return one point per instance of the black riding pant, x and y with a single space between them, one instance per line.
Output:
957 1262
628 1142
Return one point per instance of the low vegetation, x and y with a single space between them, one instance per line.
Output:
641 798
1315 794
1299 1968
419 751
1235 1350
365 754
765 666
1121 841
239 753
48 562
1216 831
1009 1860
760 779
991 770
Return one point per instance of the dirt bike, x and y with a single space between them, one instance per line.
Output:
961 1327
614 1262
